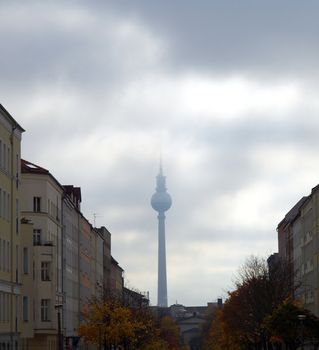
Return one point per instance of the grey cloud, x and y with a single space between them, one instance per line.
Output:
274 40
277 38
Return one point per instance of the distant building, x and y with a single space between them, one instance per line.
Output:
134 298
189 319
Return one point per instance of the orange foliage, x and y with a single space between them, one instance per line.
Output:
110 323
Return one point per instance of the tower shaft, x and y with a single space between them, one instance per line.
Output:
162 281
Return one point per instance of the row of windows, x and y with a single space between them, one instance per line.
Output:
45 266
45 309
6 346
5 312
4 255
4 307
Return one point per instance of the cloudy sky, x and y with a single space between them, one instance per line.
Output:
228 90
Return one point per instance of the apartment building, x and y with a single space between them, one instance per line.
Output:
10 235
106 235
116 279
298 241
41 203
70 281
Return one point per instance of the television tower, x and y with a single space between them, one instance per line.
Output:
161 201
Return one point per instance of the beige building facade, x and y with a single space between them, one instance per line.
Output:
10 235
41 205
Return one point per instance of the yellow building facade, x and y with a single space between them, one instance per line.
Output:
10 234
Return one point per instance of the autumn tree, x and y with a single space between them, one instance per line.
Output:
169 331
107 322
111 323
291 324
258 291
217 338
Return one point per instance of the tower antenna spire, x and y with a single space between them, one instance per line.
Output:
161 164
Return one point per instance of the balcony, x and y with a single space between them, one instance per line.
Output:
43 243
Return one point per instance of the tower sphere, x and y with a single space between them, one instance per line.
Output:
161 201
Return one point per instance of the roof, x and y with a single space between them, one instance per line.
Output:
190 318
192 330
114 262
31 168
76 191
10 118
293 212
28 167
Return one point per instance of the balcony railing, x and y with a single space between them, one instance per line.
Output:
43 243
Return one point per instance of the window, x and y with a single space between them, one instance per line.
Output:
8 160
0 203
25 309
36 204
17 263
25 260
45 310
8 207
45 271
0 154
4 255
36 237
4 160
17 170
6 307
8 256
4 210
17 216
1 309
